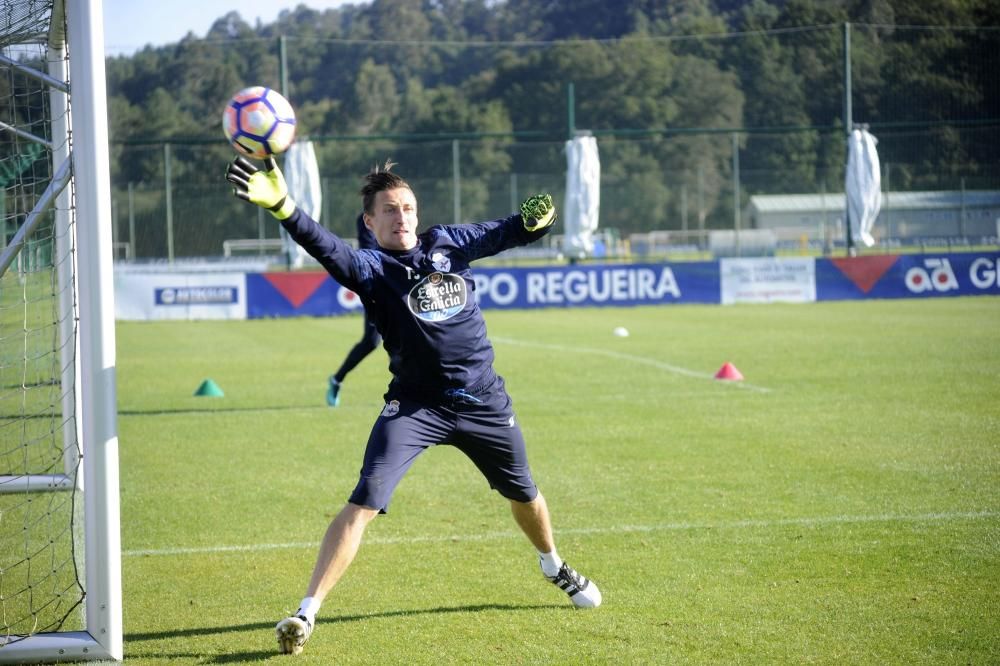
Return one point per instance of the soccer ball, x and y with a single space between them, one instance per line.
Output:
259 122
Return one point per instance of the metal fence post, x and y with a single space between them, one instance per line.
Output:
170 202
736 191
887 209
570 111
514 199
456 183
848 126
702 213
131 219
961 208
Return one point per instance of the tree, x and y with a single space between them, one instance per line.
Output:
662 84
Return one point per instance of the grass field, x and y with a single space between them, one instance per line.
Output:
839 506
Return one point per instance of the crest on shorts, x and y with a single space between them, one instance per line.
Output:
391 408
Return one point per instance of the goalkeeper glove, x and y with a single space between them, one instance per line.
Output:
265 188
538 212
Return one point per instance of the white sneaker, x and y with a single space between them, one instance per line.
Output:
293 632
582 592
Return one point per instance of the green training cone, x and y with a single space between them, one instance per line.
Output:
210 389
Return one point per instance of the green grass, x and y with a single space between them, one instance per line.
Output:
839 506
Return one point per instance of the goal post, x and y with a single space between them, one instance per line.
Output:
60 592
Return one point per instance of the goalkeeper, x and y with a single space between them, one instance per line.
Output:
418 291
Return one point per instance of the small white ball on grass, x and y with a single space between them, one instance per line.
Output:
621 332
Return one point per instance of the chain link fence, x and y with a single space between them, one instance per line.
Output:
664 188
671 209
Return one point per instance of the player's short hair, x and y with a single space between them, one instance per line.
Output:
379 179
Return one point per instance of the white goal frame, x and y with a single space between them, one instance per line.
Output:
93 402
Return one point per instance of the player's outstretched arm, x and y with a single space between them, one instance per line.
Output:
265 188
538 212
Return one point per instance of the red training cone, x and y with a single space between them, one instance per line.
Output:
728 372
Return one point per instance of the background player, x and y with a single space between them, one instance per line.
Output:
370 338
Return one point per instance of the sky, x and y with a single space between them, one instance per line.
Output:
129 25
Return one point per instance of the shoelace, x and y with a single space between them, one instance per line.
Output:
460 396
569 574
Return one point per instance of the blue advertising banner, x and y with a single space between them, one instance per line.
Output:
597 285
313 294
316 294
908 276
601 285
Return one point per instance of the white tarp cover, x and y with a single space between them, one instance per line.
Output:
583 196
863 185
304 187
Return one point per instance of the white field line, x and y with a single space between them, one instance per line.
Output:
619 529
641 360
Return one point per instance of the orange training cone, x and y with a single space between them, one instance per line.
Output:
728 372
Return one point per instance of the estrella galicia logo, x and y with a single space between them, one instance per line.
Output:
438 297
195 295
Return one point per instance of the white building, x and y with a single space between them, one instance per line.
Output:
904 215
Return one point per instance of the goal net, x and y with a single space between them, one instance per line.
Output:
60 580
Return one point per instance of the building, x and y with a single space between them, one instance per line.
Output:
903 216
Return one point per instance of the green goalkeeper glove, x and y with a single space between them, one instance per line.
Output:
538 212
265 188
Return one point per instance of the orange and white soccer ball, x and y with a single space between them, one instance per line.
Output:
259 122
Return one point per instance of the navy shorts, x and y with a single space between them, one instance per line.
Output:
482 426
